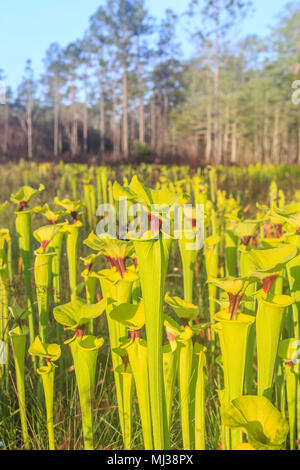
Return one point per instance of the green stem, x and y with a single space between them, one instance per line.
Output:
184 381
90 290
170 364
56 244
199 362
104 184
4 294
211 264
90 202
98 186
293 272
137 353
72 232
231 242
126 381
188 258
246 265
224 429
269 321
233 336
48 385
85 370
42 274
23 228
291 378
18 342
212 293
74 185
152 257
9 260
120 292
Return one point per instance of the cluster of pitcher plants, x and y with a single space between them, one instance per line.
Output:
232 337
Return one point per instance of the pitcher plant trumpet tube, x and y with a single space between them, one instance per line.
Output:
118 289
116 284
211 264
187 253
84 348
233 328
72 237
184 337
53 218
199 364
270 311
288 352
132 317
18 336
152 256
43 274
50 353
23 229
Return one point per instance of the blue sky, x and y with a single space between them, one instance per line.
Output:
29 26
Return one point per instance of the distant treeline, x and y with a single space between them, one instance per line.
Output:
125 91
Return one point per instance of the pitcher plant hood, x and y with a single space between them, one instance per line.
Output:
265 427
130 315
182 308
24 195
72 207
49 352
76 314
52 216
44 235
235 288
137 193
115 251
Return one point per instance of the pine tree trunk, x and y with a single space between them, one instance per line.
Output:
234 142
255 142
166 121
141 95
118 137
217 154
275 144
132 127
299 142
74 124
153 123
85 114
125 112
285 138
226 135
266 140
29 121
142 119
208 145
60 141
114 125
159 132
56 117
102 110
5 133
